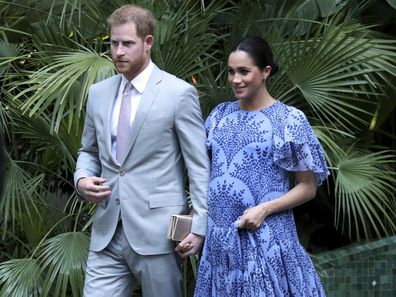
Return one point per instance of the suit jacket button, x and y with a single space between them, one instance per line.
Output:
117 201
122 173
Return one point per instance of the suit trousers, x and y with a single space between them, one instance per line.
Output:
118 268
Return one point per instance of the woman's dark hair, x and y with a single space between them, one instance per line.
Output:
259 50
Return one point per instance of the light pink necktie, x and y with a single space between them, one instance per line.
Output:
124 126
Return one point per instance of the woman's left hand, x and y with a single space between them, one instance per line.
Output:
304 190
253 217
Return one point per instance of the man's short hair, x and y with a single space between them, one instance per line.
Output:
130 13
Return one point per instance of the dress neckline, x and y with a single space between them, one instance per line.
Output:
258 110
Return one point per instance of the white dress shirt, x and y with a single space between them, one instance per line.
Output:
139 83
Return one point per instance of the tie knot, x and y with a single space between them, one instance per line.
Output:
127 88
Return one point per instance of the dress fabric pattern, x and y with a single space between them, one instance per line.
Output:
252 154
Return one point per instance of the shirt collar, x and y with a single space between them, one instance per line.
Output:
141 80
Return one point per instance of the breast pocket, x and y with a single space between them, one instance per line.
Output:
156 120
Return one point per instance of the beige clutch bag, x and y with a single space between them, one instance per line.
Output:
179 227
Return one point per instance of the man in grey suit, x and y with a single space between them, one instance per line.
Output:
133 167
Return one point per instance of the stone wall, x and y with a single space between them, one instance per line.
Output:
364 270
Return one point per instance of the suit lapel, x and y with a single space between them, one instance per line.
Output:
148 97
109 101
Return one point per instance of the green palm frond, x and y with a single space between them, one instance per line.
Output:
34 226
3 117
76 12
381 55
213 89
331 71
8 50
64 85
331 140
57 150
183 40
63 258
82 212
10 30
384 111
20 194
20 278
364 185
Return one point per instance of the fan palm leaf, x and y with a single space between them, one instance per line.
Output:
20 193
364 186
63 85
20 278
331 71
184 37
63 259
330 139
75 12
58 151
213 89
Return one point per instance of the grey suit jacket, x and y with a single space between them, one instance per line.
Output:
167 137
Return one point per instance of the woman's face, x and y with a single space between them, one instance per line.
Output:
246 79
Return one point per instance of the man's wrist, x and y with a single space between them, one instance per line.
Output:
79 195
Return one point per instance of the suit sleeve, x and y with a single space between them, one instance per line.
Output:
192 136
88 163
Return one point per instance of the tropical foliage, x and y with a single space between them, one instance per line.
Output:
336 64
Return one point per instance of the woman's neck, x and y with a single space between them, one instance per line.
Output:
259 102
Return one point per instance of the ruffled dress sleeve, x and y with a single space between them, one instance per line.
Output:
296 147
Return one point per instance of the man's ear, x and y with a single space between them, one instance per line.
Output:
148 42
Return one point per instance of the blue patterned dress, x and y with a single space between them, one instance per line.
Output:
252 154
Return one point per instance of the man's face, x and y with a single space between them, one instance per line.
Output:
130 53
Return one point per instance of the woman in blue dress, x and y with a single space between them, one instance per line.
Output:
252 247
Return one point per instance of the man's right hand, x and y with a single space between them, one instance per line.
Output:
92 190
